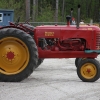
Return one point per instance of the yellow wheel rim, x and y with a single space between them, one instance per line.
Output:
88 70
14 56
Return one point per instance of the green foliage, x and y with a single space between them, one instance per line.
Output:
46 15
45 10
17 5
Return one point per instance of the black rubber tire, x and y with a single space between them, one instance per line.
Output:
77 61
28 40
40 61
92 61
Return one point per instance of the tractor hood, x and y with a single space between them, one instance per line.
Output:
67 27
63 32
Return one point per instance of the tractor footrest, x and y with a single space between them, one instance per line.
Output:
92 51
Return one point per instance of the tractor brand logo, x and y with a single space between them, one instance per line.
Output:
89 28
49 33
86 28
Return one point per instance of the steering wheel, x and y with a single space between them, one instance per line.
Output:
27 21
17 21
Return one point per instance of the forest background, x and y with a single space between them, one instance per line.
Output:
52 10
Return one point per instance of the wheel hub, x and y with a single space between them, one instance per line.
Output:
88 70
10 55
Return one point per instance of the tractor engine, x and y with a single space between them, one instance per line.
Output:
57 44
71 44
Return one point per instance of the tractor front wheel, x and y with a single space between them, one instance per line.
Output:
77 61
18 55
89 70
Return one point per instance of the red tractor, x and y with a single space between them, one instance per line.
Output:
23 47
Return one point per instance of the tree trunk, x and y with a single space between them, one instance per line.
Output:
34 9
37 8
27 9
86 8
56 13
63 6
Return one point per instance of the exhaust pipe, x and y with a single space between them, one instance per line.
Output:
71 14
68 19
78 16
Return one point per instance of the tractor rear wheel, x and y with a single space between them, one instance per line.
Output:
89 70
40 60
18 55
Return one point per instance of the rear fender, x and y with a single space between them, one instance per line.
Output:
13 27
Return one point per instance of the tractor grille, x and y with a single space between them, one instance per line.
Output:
98 41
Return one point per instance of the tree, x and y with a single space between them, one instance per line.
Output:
90 9
27 9
56 12
34 10
63 6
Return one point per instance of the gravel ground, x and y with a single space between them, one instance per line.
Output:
54 79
